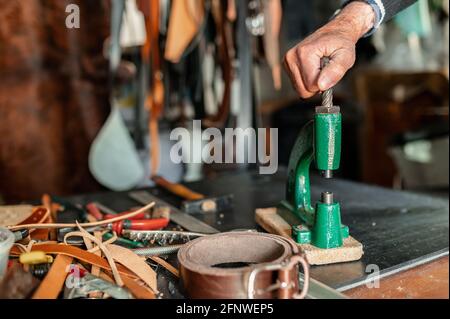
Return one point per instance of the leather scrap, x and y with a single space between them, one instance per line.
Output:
166 265
184 24
134 263
138 290
54 281
82 255
15 214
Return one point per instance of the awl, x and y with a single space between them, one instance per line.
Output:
195 202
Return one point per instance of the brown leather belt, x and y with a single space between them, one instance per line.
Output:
241 265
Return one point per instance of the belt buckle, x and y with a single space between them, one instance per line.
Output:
285 265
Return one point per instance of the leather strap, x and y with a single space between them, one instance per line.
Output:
151 56
96 270
39 216
186 17
72 251
219 15
241 265
166 265
53 282
138 290
39 225
133 262
273 15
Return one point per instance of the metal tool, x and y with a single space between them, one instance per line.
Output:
127 243
161 237
157 251
195 202
319 141
145 224
318 290
164 236
83 283
21 234
186 221
117 227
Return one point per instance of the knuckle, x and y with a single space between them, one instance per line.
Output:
289 57
303 51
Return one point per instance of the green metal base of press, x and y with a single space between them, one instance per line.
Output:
319 140
326 232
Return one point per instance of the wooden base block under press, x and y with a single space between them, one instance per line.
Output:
273 223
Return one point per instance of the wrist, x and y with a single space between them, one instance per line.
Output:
356 19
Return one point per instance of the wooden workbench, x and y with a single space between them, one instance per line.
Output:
404 234
428 281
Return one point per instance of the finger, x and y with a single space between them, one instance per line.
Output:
291 65
341 61
309 64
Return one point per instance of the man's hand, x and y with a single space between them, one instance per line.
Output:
335 40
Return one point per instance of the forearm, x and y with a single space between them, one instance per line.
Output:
337 41
384 9
354 20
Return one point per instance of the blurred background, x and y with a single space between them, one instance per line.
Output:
60 86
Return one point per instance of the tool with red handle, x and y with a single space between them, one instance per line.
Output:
145 224
94 211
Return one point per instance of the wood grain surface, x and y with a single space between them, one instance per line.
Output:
428 281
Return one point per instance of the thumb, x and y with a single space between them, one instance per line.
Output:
340 62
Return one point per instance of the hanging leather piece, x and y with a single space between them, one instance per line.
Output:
219 14
186 17
273 15
244 40
151 56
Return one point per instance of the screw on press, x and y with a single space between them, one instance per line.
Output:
327 106
327 198
327 96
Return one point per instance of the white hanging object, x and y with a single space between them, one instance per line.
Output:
133 31
113 159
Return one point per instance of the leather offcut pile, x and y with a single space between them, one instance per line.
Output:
42 267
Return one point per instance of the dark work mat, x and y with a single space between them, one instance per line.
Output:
398 229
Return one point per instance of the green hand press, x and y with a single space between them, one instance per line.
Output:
318 141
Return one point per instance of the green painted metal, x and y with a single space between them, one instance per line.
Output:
298 192
327 139
327 226
326 232
319 140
